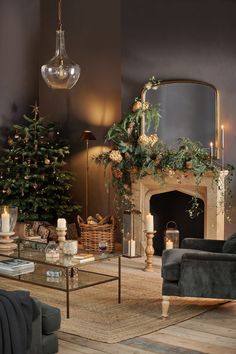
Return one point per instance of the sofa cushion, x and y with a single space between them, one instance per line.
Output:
171 261
51 318
230 245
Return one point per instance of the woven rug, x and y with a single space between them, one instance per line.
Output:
96 315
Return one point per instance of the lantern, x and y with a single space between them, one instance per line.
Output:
131 225
171 238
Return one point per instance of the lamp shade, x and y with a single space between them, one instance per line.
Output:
87 135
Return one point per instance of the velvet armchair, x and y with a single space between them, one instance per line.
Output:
200 268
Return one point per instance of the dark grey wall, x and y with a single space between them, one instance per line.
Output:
92 36
19 48
183 39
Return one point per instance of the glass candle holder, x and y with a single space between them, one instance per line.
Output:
8 218
70 247
52 251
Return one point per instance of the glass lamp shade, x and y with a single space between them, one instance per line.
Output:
60 72
8 218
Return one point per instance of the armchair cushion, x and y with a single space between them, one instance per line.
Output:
230 245
171 262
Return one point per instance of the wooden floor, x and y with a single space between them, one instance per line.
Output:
213 332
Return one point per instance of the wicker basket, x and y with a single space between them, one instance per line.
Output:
91 235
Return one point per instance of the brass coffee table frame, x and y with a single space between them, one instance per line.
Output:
72 273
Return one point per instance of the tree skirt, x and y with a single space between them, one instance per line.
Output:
95 313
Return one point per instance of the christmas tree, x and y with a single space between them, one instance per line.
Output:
32 174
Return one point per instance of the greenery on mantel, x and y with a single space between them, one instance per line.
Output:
133 156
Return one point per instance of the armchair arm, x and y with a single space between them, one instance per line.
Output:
209 275
203 245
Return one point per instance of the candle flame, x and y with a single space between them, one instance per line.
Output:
5 210
222 126
211 144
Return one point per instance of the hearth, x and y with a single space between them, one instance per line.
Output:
172 206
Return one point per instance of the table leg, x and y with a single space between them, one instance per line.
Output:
67 294
119 279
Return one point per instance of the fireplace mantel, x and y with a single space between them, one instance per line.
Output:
212 194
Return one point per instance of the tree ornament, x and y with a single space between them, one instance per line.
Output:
16 136
10 141
35 185
26 177
47 162
8 191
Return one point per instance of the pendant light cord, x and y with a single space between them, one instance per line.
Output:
59 15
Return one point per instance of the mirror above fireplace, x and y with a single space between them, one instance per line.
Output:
188 108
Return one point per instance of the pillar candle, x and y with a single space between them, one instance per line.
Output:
222 136
61 223
149 223
131 248
169 244
211 150
5 221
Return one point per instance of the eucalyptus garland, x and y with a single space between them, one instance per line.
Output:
133 156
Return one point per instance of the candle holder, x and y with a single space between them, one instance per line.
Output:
149 251
61 233
8 218
222 159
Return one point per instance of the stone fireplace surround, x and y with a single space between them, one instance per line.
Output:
210 192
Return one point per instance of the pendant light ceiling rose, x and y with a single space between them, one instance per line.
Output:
60 72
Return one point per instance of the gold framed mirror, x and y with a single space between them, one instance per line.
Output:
188 108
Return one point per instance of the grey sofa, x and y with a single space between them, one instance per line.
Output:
27 326
44 338
200 268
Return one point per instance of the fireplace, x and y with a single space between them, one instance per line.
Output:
211 194
172 206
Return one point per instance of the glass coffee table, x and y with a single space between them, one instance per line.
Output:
65 274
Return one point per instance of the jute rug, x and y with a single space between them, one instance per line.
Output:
95 313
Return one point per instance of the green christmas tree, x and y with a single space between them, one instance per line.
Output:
32 174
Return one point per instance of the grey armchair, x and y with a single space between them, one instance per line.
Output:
200 268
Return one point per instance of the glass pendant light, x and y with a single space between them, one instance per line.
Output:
60 72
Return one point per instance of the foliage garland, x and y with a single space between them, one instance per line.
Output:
133 156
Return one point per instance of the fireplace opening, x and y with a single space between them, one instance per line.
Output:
172 206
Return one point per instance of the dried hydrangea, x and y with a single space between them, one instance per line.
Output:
115 156
143 140
153 139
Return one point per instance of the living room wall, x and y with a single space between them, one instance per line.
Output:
92 36
19 48
183 39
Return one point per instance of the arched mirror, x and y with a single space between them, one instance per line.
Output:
188 109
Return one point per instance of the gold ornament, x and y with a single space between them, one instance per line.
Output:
47 162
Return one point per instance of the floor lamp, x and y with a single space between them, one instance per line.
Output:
86 136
